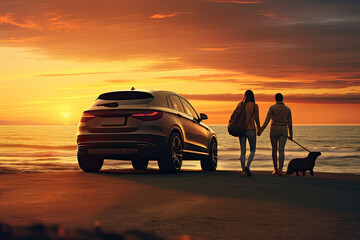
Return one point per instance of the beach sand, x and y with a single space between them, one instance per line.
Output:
207 205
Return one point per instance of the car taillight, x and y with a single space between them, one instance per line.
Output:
148 115
85 117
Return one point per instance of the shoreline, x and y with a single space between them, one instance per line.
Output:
207 205
212 124
327 175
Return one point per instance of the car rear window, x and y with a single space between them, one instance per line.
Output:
125 95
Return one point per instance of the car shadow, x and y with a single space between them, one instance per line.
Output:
329 194
148 171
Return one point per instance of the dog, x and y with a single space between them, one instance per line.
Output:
303 164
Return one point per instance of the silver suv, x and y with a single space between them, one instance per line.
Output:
143 125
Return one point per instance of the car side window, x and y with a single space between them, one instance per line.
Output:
188 108
187 111
176 103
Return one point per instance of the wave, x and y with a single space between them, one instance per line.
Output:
296 149
48 159
19 138
331 149
228 148
64 147
238 148
332 157
237 157
39 167
290 156
43 154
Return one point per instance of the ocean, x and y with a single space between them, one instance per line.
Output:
52 148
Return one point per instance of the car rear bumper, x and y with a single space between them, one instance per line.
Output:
121 146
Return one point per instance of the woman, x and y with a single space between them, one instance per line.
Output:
281 121
252 117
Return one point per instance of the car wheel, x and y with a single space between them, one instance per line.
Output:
140 163
171 160
209 163
89 163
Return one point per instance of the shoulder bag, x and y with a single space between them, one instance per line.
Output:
237 123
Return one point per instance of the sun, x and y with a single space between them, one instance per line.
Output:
66 115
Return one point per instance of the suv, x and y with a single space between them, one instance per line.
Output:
143 125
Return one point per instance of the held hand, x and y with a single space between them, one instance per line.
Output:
260 130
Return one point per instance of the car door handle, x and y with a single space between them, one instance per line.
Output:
179 115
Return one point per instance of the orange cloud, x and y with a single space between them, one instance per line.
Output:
55 18
279 17
291 98
335 82
118 81
38 22
210 38
70 74
204 77
164 15
22 40
214 49
9 18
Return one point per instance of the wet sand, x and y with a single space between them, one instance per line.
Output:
207 205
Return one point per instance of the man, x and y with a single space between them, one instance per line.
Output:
281 121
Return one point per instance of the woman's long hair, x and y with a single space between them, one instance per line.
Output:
249 97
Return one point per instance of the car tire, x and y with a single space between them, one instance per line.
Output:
171 160
139 163
90 163
209 163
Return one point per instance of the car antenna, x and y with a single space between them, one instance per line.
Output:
132 88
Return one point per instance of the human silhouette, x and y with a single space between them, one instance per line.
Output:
252 117
281 121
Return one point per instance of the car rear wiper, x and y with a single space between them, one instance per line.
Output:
113 104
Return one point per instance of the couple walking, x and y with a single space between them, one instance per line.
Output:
280 116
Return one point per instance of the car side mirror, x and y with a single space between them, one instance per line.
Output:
203 116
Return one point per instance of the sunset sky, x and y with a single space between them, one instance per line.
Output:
58 56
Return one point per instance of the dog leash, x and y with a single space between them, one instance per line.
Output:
299 144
